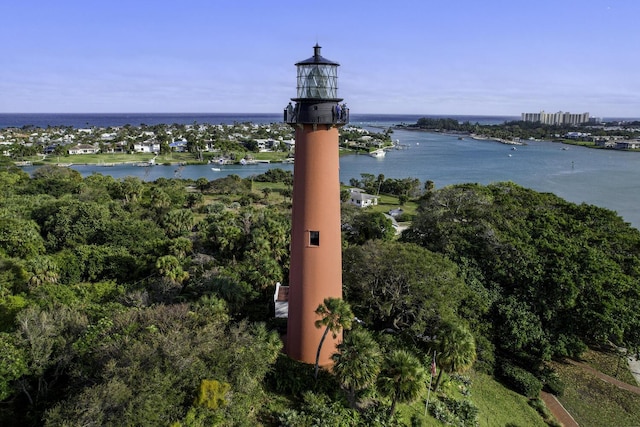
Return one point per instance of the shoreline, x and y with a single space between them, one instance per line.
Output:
500 140
473 136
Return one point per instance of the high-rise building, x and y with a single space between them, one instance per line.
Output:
558 118
316 250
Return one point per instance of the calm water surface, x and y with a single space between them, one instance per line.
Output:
604 178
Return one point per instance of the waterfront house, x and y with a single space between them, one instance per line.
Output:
179 146
115 147
266 144
50 149
633 144
147 147
605 143
84 149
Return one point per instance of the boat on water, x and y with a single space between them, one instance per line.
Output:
151 162
377 153
215 169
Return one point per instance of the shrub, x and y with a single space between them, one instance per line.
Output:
440 412
520 380
554 385
319 410
540 407
569 346
213 394
294 378
461 413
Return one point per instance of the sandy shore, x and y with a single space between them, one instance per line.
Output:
500 140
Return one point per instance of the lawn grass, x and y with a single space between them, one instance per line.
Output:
500 406
387 203
609 362
172 158
593 402
91 159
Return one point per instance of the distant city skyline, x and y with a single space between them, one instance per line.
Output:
412 57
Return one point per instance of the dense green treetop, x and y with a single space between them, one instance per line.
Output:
146 303
558 275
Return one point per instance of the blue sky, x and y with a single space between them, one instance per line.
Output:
492 57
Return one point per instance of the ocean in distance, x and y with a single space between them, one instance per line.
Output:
85 120
606 178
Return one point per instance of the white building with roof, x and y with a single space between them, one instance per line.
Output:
361 199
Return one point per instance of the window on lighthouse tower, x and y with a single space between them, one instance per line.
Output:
314 238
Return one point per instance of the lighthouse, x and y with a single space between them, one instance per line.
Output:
316 252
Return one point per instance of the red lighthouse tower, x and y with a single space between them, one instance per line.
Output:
316 251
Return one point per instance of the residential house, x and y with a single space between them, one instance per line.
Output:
179 146
146 147
115 147
84 149
396 212
267 144
605 143
361 199
633 144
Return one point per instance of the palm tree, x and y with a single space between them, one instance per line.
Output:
42 269
402 378
357 362
456 350
336 315
169 266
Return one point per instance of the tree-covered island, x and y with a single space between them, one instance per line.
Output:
124 302
613 135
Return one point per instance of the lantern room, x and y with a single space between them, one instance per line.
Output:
317 99
317 77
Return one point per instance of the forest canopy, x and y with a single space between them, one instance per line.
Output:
147 303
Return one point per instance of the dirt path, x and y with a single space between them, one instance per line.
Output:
606 378
558 411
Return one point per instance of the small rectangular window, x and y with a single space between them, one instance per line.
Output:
314 238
